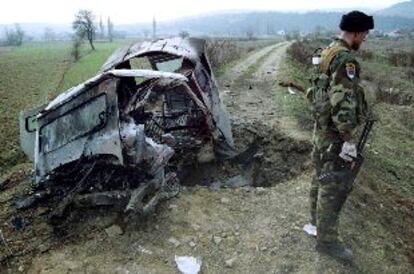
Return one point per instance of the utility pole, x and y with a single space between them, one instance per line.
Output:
101 29
154 28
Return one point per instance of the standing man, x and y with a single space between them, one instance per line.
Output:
339 107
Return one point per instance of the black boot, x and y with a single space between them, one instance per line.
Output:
335 250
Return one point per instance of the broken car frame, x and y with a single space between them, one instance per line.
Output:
108 141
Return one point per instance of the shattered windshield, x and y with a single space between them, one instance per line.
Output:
170 65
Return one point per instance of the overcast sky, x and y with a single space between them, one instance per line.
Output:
130 11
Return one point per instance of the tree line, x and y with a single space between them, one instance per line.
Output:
84 26
13 36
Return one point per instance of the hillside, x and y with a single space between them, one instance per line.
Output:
269 23
404 9
259 23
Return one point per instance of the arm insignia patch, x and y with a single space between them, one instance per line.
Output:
350 70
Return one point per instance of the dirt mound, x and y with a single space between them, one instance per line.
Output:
267 156
281 157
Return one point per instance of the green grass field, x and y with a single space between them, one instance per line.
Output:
33 74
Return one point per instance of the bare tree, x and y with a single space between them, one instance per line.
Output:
318 31
250 34
101 29
154 28
110 28
49 34
84 26
76 47
184 34
14 37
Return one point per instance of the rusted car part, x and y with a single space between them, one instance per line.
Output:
187 57
109 141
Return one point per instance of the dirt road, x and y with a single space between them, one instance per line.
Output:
243 230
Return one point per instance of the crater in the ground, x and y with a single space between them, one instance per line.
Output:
268 157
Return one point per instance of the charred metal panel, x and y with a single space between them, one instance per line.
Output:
99 137
86 118
28 128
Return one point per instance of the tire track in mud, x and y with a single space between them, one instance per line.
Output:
251 96
234 73
253 90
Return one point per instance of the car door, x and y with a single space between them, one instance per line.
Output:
28 128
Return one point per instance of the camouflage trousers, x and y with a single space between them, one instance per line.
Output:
327 199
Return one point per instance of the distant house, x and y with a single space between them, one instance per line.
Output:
394 33
376 33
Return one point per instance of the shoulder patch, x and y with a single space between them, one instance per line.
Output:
350 70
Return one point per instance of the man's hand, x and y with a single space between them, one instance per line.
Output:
348 152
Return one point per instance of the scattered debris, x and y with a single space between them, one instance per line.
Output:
19 223
114 231
31 200
263 248
2 184
237 181
291 91
215 186
43 247
196 227
142 250
4 243
188 265
260 190
310 229
217 240
293 86
172 206
174 242
224 200
230 262
394 173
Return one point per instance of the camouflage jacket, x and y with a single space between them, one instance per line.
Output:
348 106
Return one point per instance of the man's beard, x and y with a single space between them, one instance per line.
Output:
355 46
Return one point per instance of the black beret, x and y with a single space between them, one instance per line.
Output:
356 21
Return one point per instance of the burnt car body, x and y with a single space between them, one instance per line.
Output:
109 140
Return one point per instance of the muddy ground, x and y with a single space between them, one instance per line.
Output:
243 230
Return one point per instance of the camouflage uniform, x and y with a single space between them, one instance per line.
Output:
347 107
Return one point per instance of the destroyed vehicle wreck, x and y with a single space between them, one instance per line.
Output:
109 140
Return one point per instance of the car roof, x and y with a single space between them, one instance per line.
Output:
190 48
141 73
